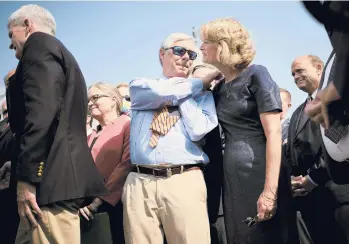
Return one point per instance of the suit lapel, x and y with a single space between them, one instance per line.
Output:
4 132
302 120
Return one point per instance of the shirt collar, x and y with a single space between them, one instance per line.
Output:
312 96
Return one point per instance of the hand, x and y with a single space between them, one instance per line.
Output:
207 79
88 211
5 174
28 208
266 205
297 187
317 109
307 184
301 185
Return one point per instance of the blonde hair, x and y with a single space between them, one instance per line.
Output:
111 91
283 90
235 47
121 85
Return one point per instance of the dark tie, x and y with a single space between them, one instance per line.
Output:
162 122
336 131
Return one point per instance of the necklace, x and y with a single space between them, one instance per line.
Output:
227 90
229 85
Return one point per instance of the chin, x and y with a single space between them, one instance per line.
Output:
206 61
182 73
18 56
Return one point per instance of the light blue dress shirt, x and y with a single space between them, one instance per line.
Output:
182 144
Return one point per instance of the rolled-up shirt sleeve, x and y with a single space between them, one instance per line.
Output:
199 115
152 94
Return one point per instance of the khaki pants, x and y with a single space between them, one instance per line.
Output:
174 205
60 225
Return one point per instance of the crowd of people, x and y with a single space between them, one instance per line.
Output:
206 153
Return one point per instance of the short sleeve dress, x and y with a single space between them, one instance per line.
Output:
239 104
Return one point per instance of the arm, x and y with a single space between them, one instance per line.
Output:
267 95
272 131
199 115
318 176
118 177
42 78
152 94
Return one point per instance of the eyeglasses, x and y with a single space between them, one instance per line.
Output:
180 51
127 98
94 98
250 221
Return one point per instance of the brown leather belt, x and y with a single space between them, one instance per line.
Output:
166 172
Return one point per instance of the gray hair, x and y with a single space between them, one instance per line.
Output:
38 15
173 38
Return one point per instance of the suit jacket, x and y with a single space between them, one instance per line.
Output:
6 143
284 129
48 111
303 150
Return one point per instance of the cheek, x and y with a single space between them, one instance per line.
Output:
176 59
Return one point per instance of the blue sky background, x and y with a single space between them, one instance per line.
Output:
117 41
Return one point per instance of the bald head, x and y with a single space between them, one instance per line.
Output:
8 76
306 71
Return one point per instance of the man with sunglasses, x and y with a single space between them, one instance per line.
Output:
166 191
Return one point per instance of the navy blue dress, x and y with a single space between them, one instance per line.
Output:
239 104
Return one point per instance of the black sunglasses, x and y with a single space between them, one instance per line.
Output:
180 51
250 221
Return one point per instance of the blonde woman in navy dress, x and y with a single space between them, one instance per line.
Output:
257 206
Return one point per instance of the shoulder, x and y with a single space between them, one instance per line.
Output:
40 43
300 107
296 112
260 77
124 121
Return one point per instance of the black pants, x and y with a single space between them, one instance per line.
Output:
116 222
318 212
9 218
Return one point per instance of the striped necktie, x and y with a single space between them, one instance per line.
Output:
162 122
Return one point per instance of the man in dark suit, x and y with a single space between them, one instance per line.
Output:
309 176
47 113
333 99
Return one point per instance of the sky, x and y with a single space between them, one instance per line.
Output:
118 41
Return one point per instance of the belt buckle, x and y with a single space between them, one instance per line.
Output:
168 172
